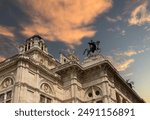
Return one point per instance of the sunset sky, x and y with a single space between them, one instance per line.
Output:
122 27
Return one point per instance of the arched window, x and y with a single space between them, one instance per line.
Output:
45 98
6 97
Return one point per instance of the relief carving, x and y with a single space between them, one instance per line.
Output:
7 82
46 88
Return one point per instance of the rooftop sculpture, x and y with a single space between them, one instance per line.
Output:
93 47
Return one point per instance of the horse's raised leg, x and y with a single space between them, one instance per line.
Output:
88 52
85 51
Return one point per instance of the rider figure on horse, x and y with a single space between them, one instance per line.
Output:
93 46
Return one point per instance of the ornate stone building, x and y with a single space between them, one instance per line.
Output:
36 76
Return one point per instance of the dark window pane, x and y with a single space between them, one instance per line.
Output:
48 100
118 98
90 95
42 99
2 98
9 95
97 93
123 101
8 101
100 101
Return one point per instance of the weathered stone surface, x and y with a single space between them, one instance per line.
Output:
36 76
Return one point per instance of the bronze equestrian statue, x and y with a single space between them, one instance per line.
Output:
93 46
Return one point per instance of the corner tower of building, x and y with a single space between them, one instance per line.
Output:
34 42
35 48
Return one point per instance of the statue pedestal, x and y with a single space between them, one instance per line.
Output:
92 59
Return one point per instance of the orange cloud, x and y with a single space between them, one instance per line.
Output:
124 65
140 15
120 66
6 31
65 20
129 53
121 59
2 58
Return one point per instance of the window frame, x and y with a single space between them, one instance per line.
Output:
45 98
5 99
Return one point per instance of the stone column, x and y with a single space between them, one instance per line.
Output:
16 94
23 94
74 86
37 94
36 44
18 79
105 90
112 92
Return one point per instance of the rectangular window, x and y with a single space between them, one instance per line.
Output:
2 97
6 97
49 100
9 95
8 101
44 99
123 100
99 101
118 98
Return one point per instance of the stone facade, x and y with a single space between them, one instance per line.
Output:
34 76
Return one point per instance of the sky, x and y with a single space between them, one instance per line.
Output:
121 26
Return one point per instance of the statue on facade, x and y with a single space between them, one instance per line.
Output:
93 47
130 83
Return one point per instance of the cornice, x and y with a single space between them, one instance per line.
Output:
108 66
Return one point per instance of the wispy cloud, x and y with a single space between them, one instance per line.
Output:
7 31
118 30
128 53
8 47
8 42
120 65
2 58
147 28
113 20
111 30
123 32
128 74
122 60
124 65
140 15
65 20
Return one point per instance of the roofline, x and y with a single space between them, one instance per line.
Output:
46 54
73 63
18 57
